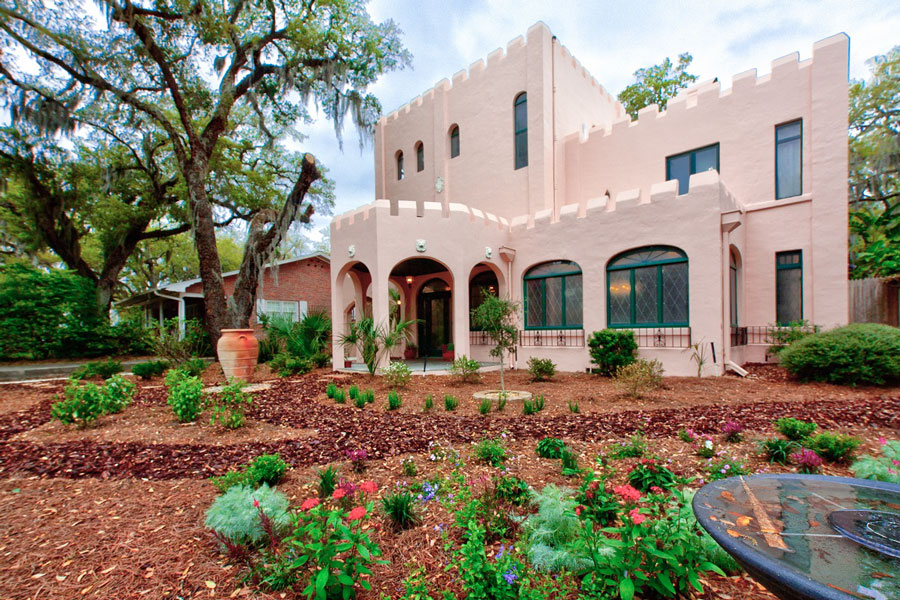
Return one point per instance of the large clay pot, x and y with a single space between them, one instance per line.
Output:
238 352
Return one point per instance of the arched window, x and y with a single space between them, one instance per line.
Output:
553 296
454 141
400 165
648 287
420 156
733 288
520 113
483 282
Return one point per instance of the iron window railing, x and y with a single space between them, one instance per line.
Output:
479 338
662 337
764 335
558 338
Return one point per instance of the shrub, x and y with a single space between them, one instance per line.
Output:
360 401
266 469
306 339
82 405
541 369
465 369
235 516
149 369
490 451
784 336
573 407
228 405
833 447
331 389
795 429
550 447
429 402
168 341
408 466
807 461
611 349
185 395
530 407
286 365
635 447
553 531
400 508
687 435
732 431
117 394
725 467
485 406
649 473
103 369
368 395
569 462
595 502
230 479
450 402
396 374
778 450
857 354
513 490
881 468
353 392
394 400
501 401
639 377
328 479
194 367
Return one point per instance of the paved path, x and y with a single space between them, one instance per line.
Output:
48 370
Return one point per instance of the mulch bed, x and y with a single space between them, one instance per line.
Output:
116 511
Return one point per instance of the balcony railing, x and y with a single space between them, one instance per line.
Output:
555 338
662 337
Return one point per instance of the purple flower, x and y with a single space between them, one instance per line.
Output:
500 553
511 575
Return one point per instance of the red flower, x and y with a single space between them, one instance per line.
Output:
627 493
636 517
255 503
589 494
656 489
309 503
369 487
338 494
578 510
357 513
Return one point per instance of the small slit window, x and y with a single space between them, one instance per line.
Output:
400 172
420 157
520 112
454 141
789 160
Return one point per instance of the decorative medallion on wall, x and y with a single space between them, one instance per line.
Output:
351 250
420 245
439 185
488 252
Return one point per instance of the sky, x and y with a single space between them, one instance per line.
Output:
611 40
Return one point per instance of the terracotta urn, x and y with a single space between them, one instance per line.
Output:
238 352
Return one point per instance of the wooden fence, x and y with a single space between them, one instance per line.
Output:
875 300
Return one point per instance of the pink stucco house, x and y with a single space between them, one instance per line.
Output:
709 222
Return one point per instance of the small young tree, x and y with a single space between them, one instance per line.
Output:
497 318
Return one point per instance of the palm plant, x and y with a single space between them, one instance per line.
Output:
307 338
372 340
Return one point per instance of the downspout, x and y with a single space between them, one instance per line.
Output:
553 42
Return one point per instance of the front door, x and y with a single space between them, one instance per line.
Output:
434 322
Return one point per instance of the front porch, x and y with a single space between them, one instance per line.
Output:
423 366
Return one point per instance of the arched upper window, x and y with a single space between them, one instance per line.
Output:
553 296
454 141
733 288
648 287
484 282
400 172
420 156
520 112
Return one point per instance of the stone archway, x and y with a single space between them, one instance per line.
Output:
427 288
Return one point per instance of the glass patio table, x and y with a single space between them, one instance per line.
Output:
808 536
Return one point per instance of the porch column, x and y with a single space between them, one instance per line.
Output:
380 308
460 299
180 318
161 319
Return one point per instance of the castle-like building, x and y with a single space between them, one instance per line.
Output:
706 224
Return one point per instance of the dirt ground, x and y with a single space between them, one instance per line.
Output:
116 510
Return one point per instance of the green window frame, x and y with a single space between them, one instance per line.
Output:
733 289
675 165
420 157
789 159
566 277
454 141
788 287
650 266
520 130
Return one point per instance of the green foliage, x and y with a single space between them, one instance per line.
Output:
465 369
117 394
353 392
595 501
639 378
360 401
569 462
778 450
304 342
394 400
795 429
573 407
485 579
331 389
193 367
881 468
169 342
648 473
833 447
530 407
400 508
429 402
185 395
541 369
397 374
513 490
497 318
857 354
368 395
657 84
266 469
611 349
491 451
501 401
552 531
635 447
286 365
783 336
340 398
450 402
328 480
485 406
149 369
82 405
228 405
550 447
103 369
372 340
408 466
234 516
725 467
230 479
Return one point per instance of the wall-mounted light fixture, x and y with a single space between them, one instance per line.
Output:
409 280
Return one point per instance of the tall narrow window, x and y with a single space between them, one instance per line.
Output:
454 141
400 165
553 293
788 287
648 287
420 157
521 130
733 288
789 159
682 166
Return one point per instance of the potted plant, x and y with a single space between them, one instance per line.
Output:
447 352
410 352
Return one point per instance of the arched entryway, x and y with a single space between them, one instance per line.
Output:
426 287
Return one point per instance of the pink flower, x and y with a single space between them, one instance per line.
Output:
656 489
369 487
255 503
882 441
636 517
578 510
309 503
338 494
627 493
357 513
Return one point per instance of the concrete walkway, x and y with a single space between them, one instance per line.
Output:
48 370
432 366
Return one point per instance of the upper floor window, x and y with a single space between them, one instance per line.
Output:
788 287
789 159
454 141
553 296
682 166
521 130
420 156
400 172
648 287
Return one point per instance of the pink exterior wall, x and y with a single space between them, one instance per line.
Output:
594 187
